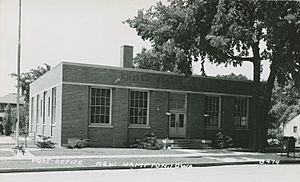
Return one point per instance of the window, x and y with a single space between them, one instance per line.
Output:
177 101
44 107
2 108
100 106
212 111
138 108
37 108
240 112
53 109
49 107
295 128
41 105
32 111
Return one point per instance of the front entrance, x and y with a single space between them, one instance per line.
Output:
177 125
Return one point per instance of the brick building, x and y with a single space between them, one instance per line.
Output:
112 106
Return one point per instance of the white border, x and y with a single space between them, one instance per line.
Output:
103 125
148 110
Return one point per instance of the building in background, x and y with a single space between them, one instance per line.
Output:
113 106
292 128
10 99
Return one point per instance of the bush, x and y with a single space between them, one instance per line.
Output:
8 120
222 141
148 142
45 142
77 143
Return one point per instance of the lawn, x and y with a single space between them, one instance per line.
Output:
100 151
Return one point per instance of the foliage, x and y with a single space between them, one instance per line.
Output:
45 142
27 78
222 141
148 142
233 76
24 114
285 104
223 31
79 143
228 32
8 120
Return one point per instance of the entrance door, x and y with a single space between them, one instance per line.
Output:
177 125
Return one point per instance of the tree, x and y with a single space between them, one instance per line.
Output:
233 76
226 32
285 104
27 78
24 116
8 120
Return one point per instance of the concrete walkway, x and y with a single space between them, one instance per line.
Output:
6 140
36 159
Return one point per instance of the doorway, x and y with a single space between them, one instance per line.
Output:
177 125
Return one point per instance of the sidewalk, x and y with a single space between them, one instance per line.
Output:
114 158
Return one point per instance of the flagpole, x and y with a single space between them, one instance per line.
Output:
18 77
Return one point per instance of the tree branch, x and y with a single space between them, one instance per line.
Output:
243 59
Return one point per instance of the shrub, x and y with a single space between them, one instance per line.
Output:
148 142
222 141
77 143
45 142
8 120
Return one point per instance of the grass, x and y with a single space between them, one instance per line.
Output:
100 151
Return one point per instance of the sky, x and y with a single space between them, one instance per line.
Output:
84 31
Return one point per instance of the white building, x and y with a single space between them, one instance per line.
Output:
292 128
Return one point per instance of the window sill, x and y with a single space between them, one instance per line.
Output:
241 129
101 126
139 126
213 128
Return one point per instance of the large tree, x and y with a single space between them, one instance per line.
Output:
225 32
285 104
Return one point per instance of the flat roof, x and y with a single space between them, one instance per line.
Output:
145 71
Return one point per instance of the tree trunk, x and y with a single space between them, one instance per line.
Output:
267 104
256 80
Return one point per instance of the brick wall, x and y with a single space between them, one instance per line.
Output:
116 136
151 79
158 121
195 111
75 100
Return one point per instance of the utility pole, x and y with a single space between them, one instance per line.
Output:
18 79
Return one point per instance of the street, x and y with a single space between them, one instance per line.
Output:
245 173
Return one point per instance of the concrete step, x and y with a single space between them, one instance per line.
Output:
189 143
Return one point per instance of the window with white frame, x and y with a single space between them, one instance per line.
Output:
240 112
212 111
53 109
44 107
31 113
100 106
37 108
295 128
138 108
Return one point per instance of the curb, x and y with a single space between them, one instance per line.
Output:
83 168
